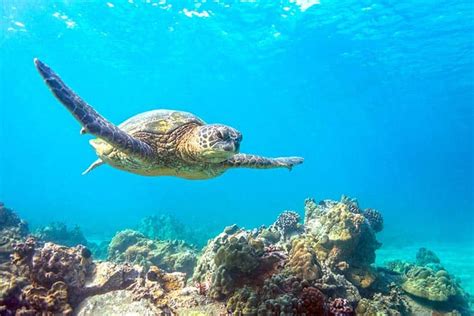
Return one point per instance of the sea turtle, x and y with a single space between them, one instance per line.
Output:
160 142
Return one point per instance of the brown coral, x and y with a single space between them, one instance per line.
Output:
159 287
54 263
302 262
12 231
341 234
54 300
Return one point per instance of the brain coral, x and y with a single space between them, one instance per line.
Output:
302 261
429 284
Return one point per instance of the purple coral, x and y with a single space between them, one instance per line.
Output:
312 301
287 222
374 218
341 307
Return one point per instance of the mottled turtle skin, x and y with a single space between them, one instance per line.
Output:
160 142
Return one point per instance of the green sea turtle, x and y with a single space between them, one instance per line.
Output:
160 142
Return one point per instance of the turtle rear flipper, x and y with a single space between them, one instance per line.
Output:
259 162
92 121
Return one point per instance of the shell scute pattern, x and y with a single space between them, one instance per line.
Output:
159 121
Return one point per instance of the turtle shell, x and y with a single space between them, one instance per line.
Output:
159 121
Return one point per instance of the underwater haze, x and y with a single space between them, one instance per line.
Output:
377 96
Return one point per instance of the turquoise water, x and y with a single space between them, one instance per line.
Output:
376 96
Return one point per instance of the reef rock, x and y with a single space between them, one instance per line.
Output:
43 280
392 304
288 224
12 230
119 302
54 263
133 247
303 262
234 258
341 234
424 282
279 295
429 281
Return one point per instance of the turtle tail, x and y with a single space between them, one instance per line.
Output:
91 121
258 162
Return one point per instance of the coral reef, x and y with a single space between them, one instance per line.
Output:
57 280
133 247
330 257
341 235
231 260
12 230
59 233
279 295
391 303
428 280
44 279
321 267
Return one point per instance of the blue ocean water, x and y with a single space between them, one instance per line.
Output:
377 96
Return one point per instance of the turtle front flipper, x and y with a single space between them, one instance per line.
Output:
258 162
92 121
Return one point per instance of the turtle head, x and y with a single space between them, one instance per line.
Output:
215 143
